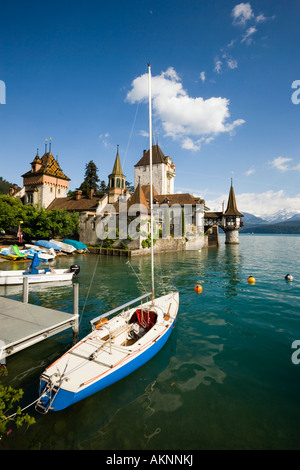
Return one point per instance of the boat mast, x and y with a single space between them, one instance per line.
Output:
151 188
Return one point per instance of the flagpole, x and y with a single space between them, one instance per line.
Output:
151 185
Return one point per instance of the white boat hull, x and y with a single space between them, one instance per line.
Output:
14 278
97 362
64 246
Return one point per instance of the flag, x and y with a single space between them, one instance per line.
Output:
19 234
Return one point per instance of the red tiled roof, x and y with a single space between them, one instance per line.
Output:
50 166
71 204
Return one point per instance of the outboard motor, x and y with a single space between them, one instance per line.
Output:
75 269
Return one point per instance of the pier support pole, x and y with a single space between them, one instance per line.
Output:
25 289
75 310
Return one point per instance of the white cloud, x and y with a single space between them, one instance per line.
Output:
250 172
189 144
105 139
247 38
232 63
202 76
280 163
242 13
184 118
260 18
261 204
144 133
218 65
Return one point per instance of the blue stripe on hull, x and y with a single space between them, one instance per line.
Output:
65 398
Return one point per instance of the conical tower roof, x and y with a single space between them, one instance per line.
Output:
117 169
231 205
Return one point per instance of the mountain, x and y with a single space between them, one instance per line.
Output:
283 221
251 220
287 227
282 216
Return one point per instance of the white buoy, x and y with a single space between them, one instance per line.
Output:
289 277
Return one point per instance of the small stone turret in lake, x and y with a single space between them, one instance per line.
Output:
231 219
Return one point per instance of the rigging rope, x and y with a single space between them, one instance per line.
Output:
138 277
129 140
91 282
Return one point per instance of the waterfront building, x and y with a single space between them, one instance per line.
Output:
45 181
163 173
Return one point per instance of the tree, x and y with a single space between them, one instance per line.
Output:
37 222
130 187
91 179
8 398
11 210
5 185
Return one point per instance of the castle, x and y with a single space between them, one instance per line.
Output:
46 184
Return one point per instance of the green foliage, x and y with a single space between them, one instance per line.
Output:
8 398
5 185
36 222
92 180
11 210
129 186
147 243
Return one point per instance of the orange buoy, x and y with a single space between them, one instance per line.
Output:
198 289
251 280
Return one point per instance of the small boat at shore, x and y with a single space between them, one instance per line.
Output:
65 247
30 252
48 244
12 253
35 275
40 249
79 246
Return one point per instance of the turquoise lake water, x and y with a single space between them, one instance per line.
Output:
225 378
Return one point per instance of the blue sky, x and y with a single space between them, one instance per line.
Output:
222 87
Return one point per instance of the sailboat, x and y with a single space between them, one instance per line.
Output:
115 347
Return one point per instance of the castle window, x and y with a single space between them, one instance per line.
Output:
51 189
113 182
118 182
123 184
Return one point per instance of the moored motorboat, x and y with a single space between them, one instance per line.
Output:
35 275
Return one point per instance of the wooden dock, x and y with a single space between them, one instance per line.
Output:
23 324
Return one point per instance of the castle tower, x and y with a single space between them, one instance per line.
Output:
116 181
163 171
231 219
45 181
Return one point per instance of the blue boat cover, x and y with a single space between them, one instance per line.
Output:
47 244
76 244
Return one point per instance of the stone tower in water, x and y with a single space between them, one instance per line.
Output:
231 220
